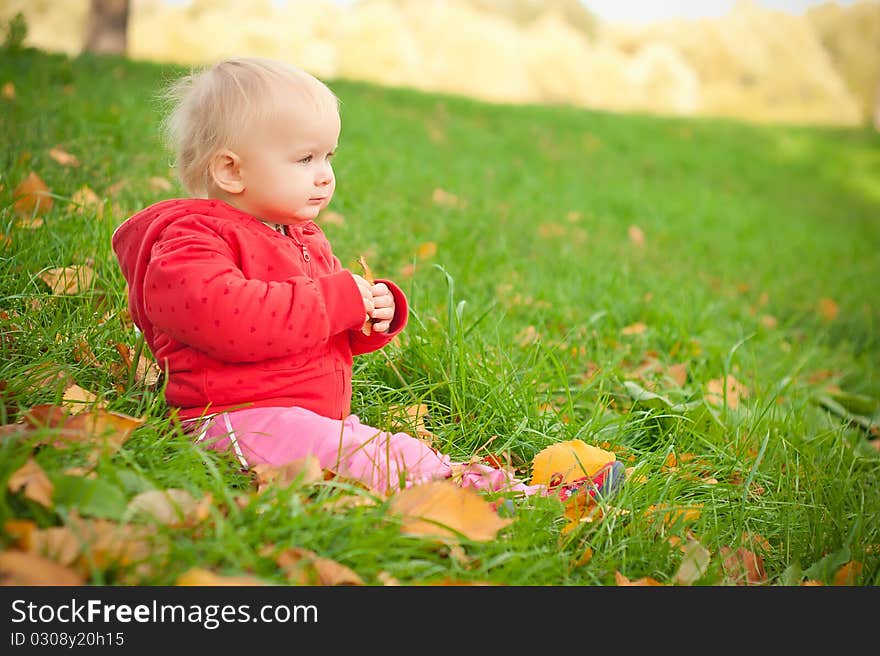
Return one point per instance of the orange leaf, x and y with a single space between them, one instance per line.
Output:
69 279
848 573
443 510
33 479
828 309
305 567
636 236
76 399
644 581
20 568
636 328
8 91
63 157
743 567
204 577
427 250
32 197
566 461
735 391
307 470
171 507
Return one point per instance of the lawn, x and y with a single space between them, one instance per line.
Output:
696 296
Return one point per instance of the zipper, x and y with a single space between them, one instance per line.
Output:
307 258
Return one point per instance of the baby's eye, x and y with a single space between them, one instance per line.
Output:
305 160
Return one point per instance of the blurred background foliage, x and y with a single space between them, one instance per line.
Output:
754 64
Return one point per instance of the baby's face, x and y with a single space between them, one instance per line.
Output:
285 164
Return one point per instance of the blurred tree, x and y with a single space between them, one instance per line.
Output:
107 27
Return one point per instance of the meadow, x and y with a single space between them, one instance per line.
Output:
696 296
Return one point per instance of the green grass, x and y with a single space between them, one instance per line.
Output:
740 221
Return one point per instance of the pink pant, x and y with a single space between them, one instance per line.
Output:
378 459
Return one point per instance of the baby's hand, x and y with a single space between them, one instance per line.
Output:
383 303
366 291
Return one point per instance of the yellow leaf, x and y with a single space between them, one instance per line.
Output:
70 279
636 236
199 576
636 328
735 391
34 481
84 197
18 568
334 218
8 91
76 399
567 461
367 328
427 250
32 197
672 517
63 157
693 564
412 420
848 573
307 470
443 510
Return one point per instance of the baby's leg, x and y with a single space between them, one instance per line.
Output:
275 436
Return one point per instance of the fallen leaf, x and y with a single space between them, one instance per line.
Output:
171 507
8 91
306 470
828 309
305 567
32 197
847 574
694 563
634 329
367 328
76 399
33 480
427 250
566 461
69 279
21 568
63 157
636 236
412 420
446 199
444 510
743 567
735 391
672 517
159 183
84 198
644 581
200 576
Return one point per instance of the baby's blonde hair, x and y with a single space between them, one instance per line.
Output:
211 108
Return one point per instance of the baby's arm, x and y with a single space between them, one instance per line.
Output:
197 294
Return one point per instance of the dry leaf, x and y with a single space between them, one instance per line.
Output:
427 250
307 470
76 399
743 567
200 576
636 328
693 564
677 373
566 461
367 328
84 197
676 515
735 391
828 309
446 199
848 573
34 481
636 236
32 197
69 279
63 157
18 568
305 567
444 510
8 91
412 420
171 507
644 581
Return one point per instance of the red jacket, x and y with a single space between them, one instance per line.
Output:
240 315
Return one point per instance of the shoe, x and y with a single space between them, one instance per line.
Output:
604 484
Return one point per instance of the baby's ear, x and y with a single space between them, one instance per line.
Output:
225 169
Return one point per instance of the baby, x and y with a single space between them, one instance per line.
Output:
240 298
